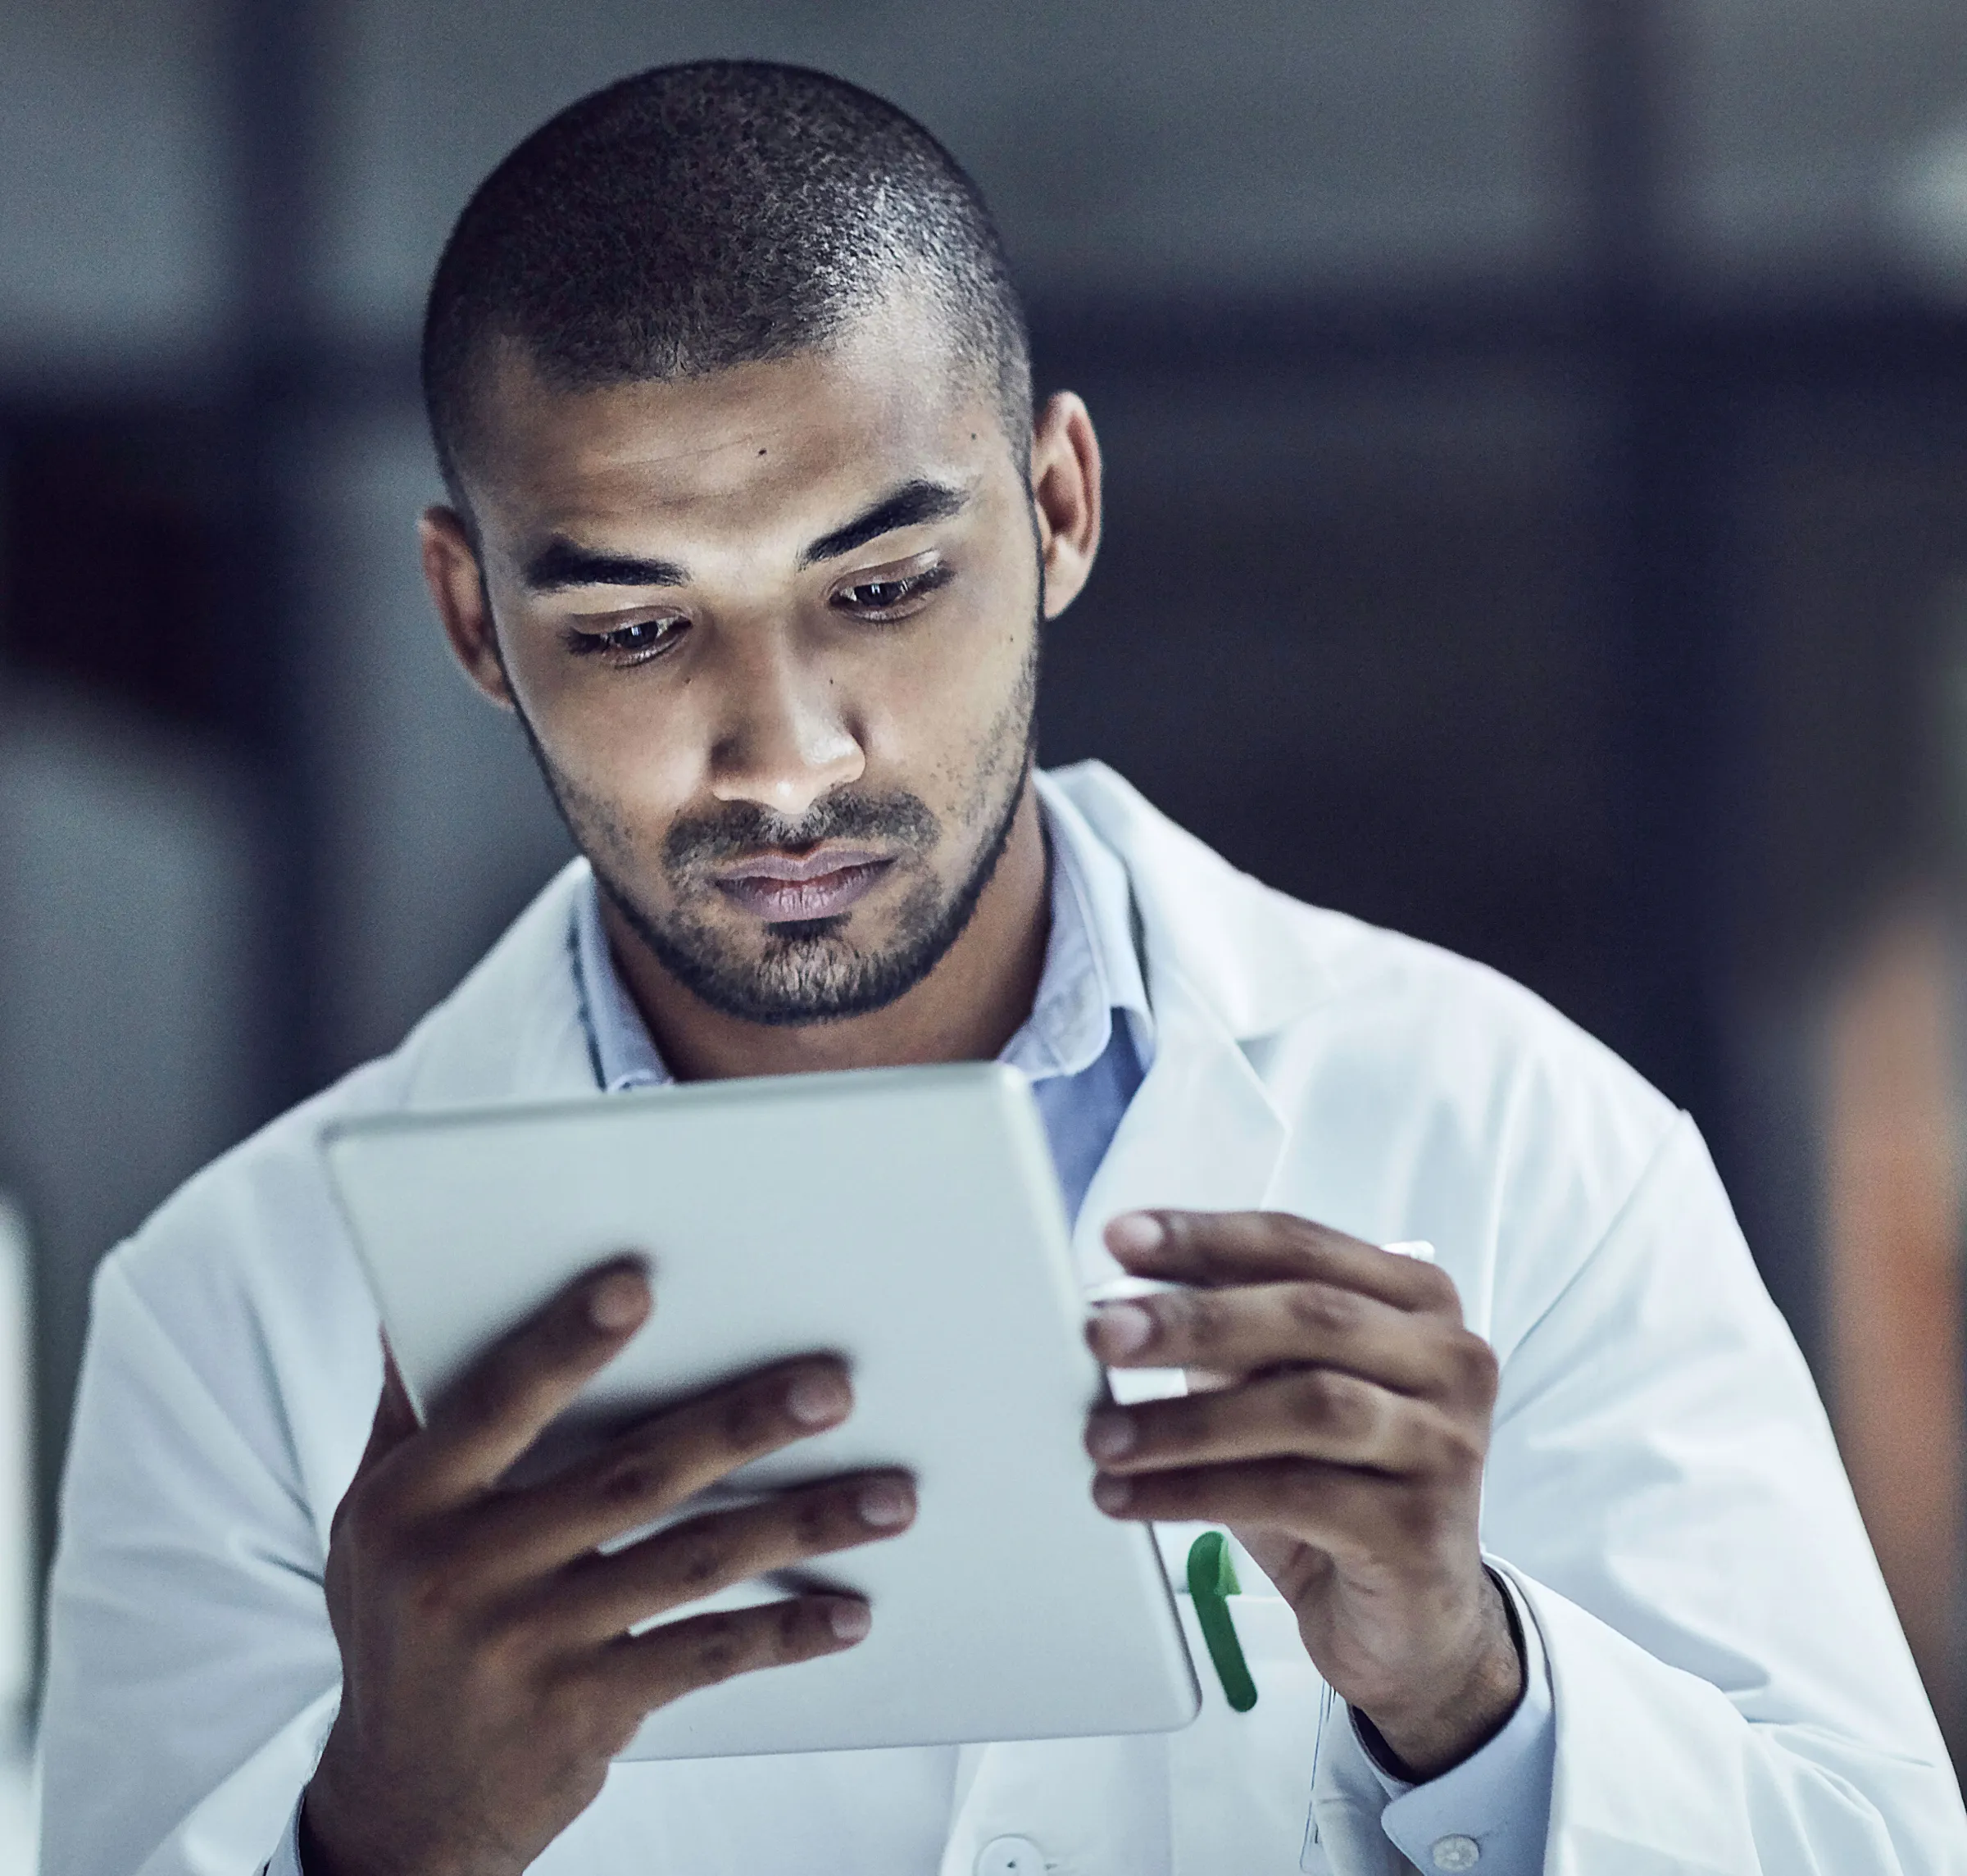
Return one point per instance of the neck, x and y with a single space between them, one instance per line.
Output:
965 1009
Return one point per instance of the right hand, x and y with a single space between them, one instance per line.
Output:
488 1677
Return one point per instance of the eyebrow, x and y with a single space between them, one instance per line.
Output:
562 564
908 507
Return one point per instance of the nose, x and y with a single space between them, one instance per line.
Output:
784 740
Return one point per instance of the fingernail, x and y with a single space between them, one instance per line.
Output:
618 1301
818 1400
1122 1329
849 1621
1108 1435
885 1503
1111 1494
1135 1231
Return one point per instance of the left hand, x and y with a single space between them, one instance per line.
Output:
1342 1438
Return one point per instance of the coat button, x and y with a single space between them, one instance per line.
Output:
1010 1856
1455 1853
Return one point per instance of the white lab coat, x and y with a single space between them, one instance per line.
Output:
1732 1691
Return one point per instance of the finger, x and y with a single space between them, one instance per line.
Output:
1351 1516
1240 1330
660 1463
507 1397
1212 1248
604 1596
651 1670
1306 1413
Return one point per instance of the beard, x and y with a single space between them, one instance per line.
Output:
810 970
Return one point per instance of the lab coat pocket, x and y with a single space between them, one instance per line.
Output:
1239 1784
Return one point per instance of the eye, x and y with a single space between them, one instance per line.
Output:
634 643
893 598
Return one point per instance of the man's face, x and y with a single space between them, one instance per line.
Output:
773 637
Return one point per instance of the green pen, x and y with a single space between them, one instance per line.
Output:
1212 1582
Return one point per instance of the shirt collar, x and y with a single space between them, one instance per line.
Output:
1092 968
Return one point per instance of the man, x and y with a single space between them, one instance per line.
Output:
753 528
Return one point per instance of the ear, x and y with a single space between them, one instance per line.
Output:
1065 497
457 589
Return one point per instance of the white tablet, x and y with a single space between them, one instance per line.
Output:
907 1219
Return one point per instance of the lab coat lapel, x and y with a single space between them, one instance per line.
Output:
1222 967
1201 1134
513 1030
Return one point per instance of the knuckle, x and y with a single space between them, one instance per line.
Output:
1318 1399
1198 1256
722 1649
1477 1373
1470 1452
1194 1316
795 1632
1438 1289
578 1716
746 1420
1321 1311
504 1655
597 1730
1448 1449
1287 1231
635 1477
700 1560
815 1519
431 1590
1199 1239
362 1521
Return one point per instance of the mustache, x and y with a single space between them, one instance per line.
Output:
740 829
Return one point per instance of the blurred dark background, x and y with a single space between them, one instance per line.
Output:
1538 441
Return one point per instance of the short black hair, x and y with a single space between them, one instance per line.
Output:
698 216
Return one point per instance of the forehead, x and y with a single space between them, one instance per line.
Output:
762 445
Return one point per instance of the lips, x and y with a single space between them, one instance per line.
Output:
782 888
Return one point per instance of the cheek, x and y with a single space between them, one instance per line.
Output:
624 760
935 714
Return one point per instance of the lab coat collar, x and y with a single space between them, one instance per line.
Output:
1248 954
512 1030
1202 1134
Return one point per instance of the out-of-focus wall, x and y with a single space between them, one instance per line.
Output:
126 913
112 211
1799 140
1148 148
439 828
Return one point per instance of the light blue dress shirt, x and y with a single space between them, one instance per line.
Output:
1085 1048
